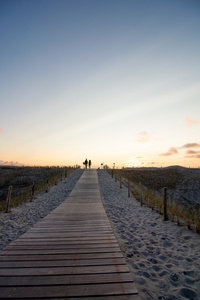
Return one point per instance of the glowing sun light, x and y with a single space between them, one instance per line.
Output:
133 162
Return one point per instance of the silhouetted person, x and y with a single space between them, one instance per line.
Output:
90 163
86 162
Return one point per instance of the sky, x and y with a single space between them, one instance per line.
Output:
114 81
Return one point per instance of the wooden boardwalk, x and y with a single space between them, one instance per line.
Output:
72 253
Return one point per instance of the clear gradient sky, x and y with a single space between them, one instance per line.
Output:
114 81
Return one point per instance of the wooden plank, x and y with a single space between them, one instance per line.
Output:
63 270
67 247
60 241
52 241
109 297
102 223
69 290
73 225
72 220
60 256
99 232
71 230
65 279
61 251
63 263
69 235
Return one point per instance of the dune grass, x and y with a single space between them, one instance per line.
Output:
150 183
28 182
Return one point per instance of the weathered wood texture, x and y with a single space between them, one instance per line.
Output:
72 253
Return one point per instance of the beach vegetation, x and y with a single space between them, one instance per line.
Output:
183 191
28 182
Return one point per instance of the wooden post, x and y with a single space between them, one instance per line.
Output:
47 186
140 193
165 204
112 173
8 199
32 191
120 181
129 189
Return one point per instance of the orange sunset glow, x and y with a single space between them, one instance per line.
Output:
111 81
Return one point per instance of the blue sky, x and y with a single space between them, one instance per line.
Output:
113 81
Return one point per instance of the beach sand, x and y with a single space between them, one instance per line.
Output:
164 258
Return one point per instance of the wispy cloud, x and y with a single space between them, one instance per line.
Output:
10 163
192 154
145 136
142 136
189 122
191 145
171 151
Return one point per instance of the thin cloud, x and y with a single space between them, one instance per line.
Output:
10 163
191 145
193 156
189 122
191 152
171 151
144 136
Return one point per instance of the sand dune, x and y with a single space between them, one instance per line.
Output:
164 258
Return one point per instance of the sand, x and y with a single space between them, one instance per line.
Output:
163 257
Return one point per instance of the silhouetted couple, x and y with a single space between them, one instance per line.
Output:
86 163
